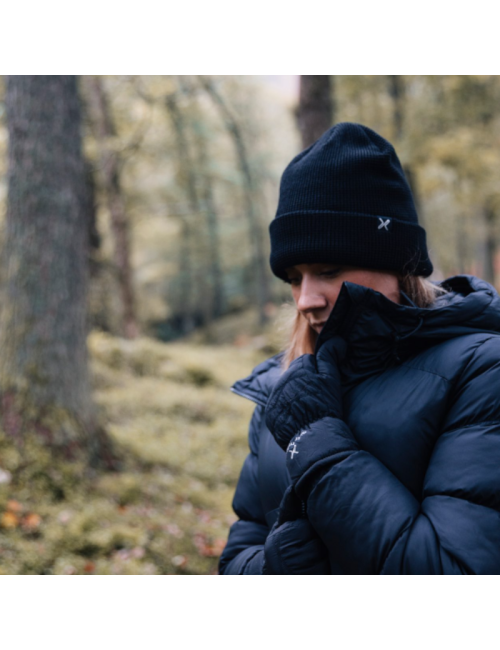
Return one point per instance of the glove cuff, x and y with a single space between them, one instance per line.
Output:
329 438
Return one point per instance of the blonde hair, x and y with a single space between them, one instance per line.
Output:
302 338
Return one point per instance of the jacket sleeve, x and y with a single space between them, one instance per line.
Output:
371 523
244 552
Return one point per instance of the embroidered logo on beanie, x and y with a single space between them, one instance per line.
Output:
385 224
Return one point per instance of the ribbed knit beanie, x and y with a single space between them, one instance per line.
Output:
345 200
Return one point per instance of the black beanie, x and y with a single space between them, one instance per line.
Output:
345 200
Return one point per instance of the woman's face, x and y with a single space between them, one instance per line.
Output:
315 287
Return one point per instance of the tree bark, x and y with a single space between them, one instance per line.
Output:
490 242
315 110
397 91
189 265
262 291
109 168
203 178
44 379
208 206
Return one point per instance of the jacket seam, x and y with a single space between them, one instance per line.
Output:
396 542
472 357
468 426
430 372
257 550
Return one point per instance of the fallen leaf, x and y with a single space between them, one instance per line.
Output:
9 520
207 547
31 521
89 567
173 529
204 516
14 506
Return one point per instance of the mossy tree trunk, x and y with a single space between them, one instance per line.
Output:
44 378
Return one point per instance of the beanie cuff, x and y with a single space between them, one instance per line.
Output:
348 239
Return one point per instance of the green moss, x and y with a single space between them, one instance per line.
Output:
183 439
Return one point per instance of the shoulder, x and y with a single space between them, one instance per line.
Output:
452 358
474 397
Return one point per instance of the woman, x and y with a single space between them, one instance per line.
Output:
375 445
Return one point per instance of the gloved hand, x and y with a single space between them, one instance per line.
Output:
295 548
308 391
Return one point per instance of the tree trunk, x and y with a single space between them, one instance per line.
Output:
397 91
191 266
259 260
208 205
315 110
90 208
490 242
104 128
44 379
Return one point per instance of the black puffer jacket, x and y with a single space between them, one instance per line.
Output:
420 493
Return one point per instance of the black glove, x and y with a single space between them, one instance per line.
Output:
295 548
308 391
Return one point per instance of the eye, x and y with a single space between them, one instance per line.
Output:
331 273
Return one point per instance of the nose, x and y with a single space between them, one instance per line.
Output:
311 297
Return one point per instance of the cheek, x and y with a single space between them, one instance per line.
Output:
365 279
332 293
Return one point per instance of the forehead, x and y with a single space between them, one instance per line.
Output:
304 268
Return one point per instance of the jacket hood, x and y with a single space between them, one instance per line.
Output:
381 333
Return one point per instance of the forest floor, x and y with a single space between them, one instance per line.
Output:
182 437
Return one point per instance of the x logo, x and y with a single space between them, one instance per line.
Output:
384 223
292 448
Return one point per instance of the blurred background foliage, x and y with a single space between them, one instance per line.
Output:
199 161
183 179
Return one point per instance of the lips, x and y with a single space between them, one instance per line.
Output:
315 325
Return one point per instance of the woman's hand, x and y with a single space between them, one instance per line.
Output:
308 391
295 548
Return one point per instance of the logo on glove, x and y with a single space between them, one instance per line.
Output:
292 447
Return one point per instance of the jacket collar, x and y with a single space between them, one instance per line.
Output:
381 334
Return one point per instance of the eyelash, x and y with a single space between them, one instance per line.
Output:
332 273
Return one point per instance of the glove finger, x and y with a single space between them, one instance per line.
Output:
330 355
290 506
300 549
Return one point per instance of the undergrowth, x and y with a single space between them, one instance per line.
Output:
182 438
